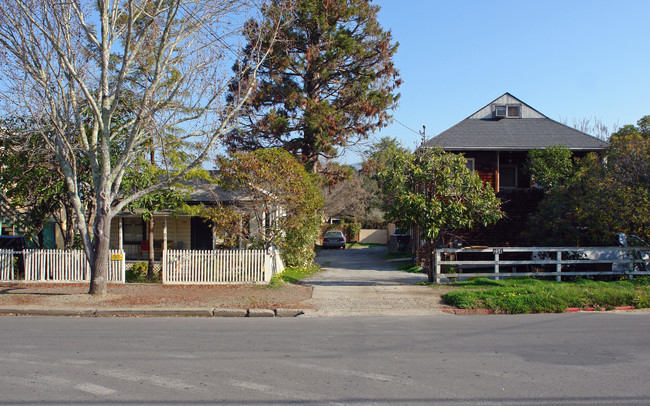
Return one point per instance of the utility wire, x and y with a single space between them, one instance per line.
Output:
407 127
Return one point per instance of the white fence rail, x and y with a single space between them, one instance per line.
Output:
627 261
220 266
6 265
59 266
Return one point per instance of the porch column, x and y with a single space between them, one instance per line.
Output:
164 247
120 234
214 237
498 174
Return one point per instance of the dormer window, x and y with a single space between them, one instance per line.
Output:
507 111
514 111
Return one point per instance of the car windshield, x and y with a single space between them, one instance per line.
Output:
333 234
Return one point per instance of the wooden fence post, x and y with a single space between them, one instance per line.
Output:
436 264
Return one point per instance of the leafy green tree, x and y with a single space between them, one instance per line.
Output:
642 129
551 166
31 181
377 158
436 194
381 154
281 198
607 195
329 80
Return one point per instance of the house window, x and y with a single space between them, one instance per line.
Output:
514 111
133 229
469 163
507 176
507 111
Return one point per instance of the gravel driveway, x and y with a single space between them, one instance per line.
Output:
359 281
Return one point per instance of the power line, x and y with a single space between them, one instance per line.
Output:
407 127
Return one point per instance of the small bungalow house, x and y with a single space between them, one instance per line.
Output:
496 140
181 231
130 232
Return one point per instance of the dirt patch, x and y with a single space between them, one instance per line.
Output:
155 296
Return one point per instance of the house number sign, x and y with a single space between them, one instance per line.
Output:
497 250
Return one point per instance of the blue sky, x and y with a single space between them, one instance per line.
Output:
569 59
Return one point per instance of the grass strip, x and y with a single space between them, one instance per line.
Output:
519 296
292 275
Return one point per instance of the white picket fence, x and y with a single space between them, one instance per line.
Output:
179 266
6 265
59 266
623 261
220 266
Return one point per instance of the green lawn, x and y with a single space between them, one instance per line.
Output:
293 275
537 296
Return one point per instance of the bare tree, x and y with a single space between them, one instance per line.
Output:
107 77
592 126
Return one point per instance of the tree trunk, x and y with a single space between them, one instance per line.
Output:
152 253
101 251
68 233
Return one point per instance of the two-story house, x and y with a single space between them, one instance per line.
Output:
496 140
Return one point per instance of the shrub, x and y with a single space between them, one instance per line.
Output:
138 274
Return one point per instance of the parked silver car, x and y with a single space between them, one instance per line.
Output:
334 238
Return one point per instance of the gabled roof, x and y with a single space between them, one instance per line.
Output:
206 192
481 131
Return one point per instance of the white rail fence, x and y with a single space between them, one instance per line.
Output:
628 261
220 266
58 266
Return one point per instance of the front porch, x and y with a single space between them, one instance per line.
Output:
130 233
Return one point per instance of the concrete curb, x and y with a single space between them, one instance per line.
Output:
229 313
261 313
288 312
144 312
26 311
617 308
155 312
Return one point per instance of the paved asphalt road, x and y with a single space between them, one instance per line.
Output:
563 359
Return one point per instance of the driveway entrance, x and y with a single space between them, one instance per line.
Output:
359 281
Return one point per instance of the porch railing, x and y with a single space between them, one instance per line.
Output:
628 261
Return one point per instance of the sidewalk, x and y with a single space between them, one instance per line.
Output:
154 300
383 300
354 282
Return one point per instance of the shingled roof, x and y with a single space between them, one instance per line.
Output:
482 131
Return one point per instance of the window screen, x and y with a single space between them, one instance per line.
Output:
133 229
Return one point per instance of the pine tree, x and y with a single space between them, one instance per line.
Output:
329 81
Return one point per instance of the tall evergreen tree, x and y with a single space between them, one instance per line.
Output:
329 81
